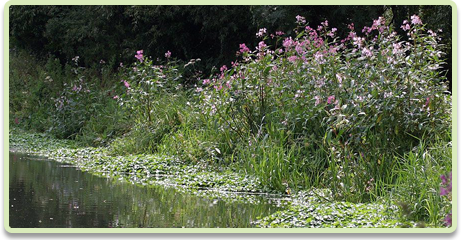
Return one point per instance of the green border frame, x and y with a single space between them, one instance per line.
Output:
228 230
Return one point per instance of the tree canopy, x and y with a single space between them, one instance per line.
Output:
211 33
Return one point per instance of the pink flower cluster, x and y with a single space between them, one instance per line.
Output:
261 32
446 190
300 20
244 48
139 55
127 85
415 20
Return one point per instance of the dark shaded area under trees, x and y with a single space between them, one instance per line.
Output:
211 33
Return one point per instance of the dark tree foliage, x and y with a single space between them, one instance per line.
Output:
211 33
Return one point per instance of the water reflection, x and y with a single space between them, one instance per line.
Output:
46 194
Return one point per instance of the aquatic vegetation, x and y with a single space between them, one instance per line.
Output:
317 209
140 169
335 215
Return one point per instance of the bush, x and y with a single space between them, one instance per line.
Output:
84 109
155 102
354 103
31 84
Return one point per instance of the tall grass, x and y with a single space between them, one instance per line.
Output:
418 181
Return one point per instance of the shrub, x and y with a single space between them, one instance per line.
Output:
352 102
146 83
152 98
77 102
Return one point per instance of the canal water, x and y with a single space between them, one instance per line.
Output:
47 194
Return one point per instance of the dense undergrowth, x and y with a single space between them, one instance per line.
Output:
367 117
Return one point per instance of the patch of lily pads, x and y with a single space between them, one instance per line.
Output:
317 209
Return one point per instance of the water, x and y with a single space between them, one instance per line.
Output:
48 194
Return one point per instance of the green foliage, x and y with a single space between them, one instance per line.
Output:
418 182
65 101
150 90
113 33
30 87
156 106
76 103
354 103
355 113
311 210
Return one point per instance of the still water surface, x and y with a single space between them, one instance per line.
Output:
48 194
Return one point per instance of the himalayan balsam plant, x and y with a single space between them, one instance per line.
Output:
144 82
349 100
75 105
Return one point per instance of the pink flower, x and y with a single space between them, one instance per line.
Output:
378 22
300 20
332 33
319 57
139 55
206 81
351 26
397 48
77 89
127 85
331 99
218 87
299 49
168 54
367 52
446 190
261 46
288 43
292 58
244 48
317 100
405 27
447 183
16 120
279 33
448 220
115 97
427 101
415 20
261 32
367 30
223 68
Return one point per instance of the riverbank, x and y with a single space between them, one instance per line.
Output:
143 169
371 121
315 208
